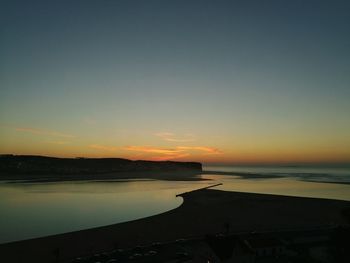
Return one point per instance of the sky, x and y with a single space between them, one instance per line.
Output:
209 81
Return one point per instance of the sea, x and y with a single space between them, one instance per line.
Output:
30 210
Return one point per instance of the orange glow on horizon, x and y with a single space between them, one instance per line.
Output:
170 146
182 155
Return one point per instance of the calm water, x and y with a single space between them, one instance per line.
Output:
41 209
305 181
38 209
321 173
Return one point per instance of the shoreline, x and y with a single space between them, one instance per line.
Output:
154 175
202 212
110 176
146 175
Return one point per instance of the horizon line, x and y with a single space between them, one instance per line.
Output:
248 163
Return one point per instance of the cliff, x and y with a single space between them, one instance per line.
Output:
37 167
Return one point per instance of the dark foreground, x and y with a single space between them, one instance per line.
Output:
205 216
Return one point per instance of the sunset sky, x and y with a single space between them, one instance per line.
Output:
210 81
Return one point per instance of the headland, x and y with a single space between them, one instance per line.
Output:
42 168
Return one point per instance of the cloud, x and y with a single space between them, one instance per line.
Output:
171 137
103 147
149 149
173 153
44 132
208 150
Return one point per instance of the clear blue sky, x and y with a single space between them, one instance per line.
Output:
214 81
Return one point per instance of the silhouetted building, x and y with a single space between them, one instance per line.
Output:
266 246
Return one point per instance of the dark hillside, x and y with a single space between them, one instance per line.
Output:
36 167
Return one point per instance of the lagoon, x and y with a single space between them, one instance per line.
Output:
30 210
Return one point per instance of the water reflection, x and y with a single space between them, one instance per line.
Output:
38 209
32 210
282 186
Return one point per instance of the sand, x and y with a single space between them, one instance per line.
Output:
202 212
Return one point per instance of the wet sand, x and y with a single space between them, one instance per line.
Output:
202 212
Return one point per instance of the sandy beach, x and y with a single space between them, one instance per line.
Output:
202 212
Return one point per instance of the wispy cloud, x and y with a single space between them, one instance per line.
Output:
208 150
103 147
173 153
149 149
43 132
171 137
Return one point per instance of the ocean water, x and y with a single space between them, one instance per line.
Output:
331 182
30 210
316 173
